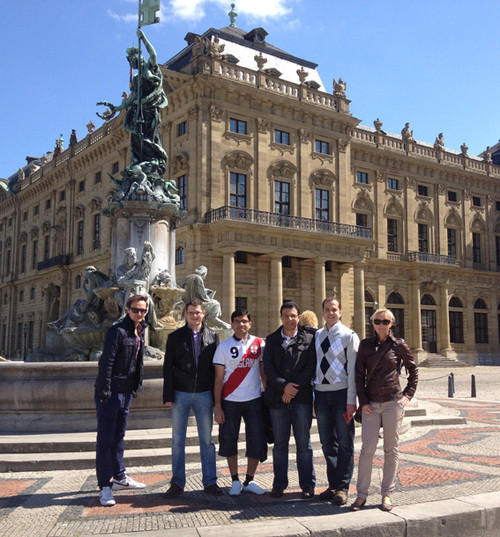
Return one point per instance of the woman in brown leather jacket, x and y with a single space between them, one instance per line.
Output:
378 364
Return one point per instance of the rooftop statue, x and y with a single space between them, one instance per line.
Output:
407 134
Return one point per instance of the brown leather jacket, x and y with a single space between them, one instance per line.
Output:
384 381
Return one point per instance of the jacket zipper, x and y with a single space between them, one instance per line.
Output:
195 364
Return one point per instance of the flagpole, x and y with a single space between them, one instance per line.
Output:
140 118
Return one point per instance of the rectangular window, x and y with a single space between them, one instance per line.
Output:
7 263
423 238
36 210
452 242
452 196
476 201
238 190
392 235
399 325
281 137
392 184
34 256
97 231
62 195
281 197
476 247
182 186
115 167
238 126
81 186
46 247
241 257
25 216
286 261
497 205
9 223
322 205
48 204
497 249
23 258
31 327
182 128
361 219
321 147
362 177
481 327
79 238
97 178
456 327
4 336
179 256
423 190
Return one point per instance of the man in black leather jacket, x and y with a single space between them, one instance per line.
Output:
188 383
121 371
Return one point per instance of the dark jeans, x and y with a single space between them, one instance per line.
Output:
111 426
336 436
283 418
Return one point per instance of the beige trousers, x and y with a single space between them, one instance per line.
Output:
389 416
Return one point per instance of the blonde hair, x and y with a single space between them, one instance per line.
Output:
308 318
384 310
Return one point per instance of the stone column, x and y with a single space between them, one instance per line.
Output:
228 280
469 332
415 339
276 295
263 310
444 324
359 300
347 293
319 285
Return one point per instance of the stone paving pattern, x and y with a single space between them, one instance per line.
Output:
435 464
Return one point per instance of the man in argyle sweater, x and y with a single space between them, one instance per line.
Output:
335 399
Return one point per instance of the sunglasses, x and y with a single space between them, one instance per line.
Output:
382 321
138 310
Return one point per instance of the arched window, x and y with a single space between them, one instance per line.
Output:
399 314
456 321
179 256
480 321
368 297
395 298
427 300
369 310
21 295
32 293
78 281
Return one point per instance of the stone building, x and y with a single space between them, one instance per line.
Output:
287 197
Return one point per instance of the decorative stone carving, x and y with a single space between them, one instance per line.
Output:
380 176
180 162
429 287
464 149
487 155
302 74
453 219
34 232
46 226
79 211
407 134
378 125
263 125
322 178
424 214
239 160
441 189
261 61
467 195
339 87
410 183
477 225
90 127
95 203
342 145
363 202
305 136
193 112
283 168
23 237
439 142
8 242
215 112
394 208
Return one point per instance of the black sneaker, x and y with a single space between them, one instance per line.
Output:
277 492
213 489
174 491
307 494
327 495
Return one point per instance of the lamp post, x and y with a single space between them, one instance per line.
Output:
25 334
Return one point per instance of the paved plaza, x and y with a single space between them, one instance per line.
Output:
453 470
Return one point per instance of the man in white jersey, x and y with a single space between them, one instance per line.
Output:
239 375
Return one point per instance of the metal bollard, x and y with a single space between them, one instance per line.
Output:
452 375
473 386
450 386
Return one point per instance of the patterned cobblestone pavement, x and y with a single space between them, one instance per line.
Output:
435 464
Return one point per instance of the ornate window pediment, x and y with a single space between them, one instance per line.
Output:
79 211
394 208
34 231
95 203
424 214
363 203
283 169
453 219
322 178
46 226
477 225
23 237
238 160
180 162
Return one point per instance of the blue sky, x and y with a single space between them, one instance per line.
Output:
433 63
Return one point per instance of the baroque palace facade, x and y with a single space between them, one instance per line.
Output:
287 196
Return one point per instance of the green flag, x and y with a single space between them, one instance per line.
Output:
147 12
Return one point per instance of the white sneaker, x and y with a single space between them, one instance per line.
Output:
127 483
235 489
254 488
106 498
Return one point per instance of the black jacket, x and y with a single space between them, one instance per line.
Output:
297 364
119 370
179 368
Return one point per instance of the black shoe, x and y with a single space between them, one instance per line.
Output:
213 489
307 494
340 497
327 495
174 491
277 492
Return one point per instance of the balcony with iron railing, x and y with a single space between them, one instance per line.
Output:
57 261
426 257
241 214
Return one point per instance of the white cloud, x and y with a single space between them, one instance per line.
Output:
128 17
194 9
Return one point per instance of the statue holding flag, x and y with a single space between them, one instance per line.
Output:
142 181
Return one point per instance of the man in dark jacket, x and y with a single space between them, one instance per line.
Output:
120 375
289 364
188 382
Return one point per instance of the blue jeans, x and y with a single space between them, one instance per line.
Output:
336 436
202 404
298 416
111 426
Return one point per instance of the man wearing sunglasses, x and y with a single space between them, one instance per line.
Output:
120 375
